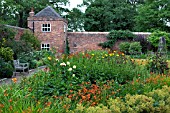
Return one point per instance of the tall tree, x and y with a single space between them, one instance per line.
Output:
105 15
153 15
18 10
75 20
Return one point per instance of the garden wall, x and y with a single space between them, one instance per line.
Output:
82 41
19 31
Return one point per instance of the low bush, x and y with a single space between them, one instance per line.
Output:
135 48
155 101
157 64
124 47
6 53
6 69
30 38
155 37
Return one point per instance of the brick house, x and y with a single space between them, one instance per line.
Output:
49 27
51 30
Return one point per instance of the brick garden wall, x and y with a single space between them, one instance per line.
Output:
82 41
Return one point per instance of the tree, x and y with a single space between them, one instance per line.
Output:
153 15
18 10
105 15
75 20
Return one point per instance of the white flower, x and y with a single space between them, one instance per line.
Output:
70 69
57 60
73 75
68 63
74 67
63 64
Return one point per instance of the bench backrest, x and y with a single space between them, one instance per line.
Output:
16 63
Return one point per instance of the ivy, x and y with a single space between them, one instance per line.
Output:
115 35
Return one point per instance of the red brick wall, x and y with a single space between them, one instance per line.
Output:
82 41
56 38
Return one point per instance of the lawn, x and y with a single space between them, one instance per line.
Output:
95 82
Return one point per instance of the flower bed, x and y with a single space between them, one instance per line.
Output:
88 82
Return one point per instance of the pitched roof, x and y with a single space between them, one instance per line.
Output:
48 12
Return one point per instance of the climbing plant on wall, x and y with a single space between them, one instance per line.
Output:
115 35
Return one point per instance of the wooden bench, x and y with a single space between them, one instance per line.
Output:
20 66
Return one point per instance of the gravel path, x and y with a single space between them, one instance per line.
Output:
20 76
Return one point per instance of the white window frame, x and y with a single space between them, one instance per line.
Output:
43 27
46 46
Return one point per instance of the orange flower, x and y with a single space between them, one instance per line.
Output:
48 104
88 96
10 100
83 97
14 80
84 90
10 108
1 105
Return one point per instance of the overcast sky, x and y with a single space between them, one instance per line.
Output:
74 3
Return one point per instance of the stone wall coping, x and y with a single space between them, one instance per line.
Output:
15 27
136 33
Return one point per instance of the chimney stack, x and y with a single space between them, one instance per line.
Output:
31 14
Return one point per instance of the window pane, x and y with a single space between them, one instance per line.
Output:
48 45
45 29
45 25
48 25
48 29
42 45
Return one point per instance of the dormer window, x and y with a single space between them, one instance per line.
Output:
46 27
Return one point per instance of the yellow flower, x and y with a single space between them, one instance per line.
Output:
92 54
123 54
49 58
14 80
117 55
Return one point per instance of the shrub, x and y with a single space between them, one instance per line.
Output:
143 42
135 48
6 69
6 33
124 47
19 47
6 53
155 37
29 37
157 64
114 35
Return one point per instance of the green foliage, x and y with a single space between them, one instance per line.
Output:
154 101
67 51
19 47
75 20
153 15
124 47
155 37
6 53
115 35
105 15
157 64
135 48
33 58
6 69
5 34
19 10
30 38
146 45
